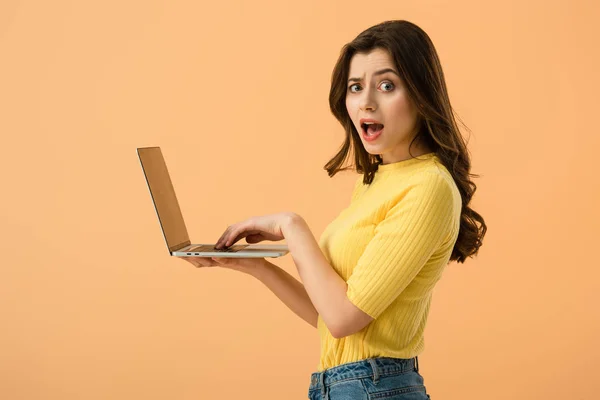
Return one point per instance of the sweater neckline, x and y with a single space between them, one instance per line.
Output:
405 163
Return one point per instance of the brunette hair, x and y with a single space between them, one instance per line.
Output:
416 60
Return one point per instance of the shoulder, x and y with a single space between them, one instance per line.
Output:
434 177
434 189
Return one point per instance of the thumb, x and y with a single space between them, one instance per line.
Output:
255 238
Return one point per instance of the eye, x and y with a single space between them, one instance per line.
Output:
384 83
388 83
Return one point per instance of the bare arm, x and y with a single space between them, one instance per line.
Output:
288 289
325 288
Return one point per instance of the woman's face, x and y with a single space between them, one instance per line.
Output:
382 97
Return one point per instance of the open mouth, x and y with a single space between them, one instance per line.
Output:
371 129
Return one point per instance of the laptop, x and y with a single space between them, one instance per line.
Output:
171 220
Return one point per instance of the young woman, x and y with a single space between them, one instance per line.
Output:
367 283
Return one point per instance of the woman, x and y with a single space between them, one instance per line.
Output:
368 281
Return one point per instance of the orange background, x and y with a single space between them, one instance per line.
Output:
235 93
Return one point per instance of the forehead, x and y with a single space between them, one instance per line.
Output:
371 61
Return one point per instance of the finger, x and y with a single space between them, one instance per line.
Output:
223 237
238 234
196 263
255 238
187 259
201 262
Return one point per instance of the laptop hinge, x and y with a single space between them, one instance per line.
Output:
181 245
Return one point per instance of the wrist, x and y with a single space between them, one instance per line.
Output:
259 270
290 220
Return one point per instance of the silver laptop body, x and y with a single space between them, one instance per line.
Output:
171 220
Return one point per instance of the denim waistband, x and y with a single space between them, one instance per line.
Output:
374 367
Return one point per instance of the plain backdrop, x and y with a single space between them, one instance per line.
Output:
236 95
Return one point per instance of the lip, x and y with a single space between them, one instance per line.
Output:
363 120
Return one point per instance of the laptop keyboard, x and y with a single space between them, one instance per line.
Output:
209 248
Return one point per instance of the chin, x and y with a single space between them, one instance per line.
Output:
374 153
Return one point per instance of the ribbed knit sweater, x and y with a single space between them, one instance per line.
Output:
391 245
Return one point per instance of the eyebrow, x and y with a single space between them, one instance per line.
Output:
380 72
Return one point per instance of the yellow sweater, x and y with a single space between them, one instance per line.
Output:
391 245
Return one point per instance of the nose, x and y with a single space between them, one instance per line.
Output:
367 101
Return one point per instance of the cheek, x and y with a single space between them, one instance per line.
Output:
400 108
400 104
350 110
349 106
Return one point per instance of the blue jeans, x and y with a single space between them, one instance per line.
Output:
373 378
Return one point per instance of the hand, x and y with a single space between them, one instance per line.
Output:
249 266
255 229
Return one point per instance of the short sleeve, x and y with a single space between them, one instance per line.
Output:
403 242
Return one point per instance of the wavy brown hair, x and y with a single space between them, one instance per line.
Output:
417 62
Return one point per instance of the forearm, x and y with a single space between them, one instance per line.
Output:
325 288
289 290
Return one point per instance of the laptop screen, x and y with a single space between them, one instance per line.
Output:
163 196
